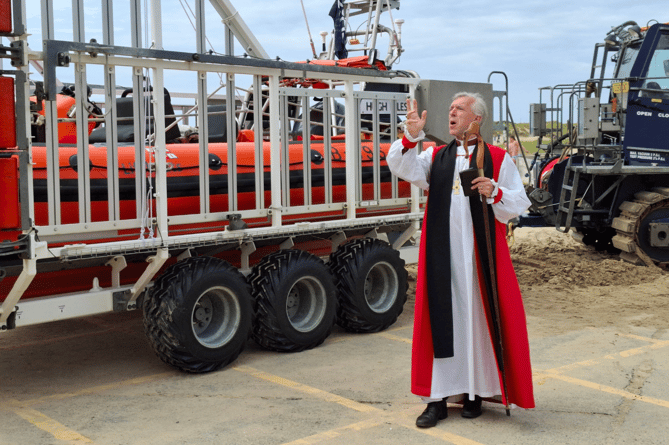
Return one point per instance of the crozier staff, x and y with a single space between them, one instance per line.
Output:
453 354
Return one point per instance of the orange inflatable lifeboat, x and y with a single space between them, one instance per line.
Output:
183 178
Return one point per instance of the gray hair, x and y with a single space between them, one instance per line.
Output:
479 106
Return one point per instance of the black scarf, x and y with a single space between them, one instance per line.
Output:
437 249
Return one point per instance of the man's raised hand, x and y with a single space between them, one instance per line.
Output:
414 123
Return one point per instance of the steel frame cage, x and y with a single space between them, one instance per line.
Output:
156 250
110 59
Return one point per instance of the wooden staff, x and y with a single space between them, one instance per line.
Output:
480 156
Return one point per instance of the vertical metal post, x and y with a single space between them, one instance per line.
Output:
203 141
136 23
83 158
156 24
47 21
327 148
81 89
51 130
306 119
139 120
78 24
52 168
108 22
160 153
275 149
333 116
352 149
111 133
285 148
231 123
158 102
19 17
200 32
111 129
26 194
229 41
202 120
258 138
306 145
376 163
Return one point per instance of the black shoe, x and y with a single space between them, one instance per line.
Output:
434 412
472 408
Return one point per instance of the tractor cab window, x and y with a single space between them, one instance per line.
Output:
627 61
656 84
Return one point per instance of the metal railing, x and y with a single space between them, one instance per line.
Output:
363 159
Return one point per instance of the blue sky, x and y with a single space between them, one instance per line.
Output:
536 43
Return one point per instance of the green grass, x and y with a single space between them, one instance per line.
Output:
529 146
524 132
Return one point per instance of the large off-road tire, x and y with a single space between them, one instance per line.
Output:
198 315
295 301
372 283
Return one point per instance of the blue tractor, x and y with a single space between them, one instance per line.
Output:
602 165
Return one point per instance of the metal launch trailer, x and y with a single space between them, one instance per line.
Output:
212 218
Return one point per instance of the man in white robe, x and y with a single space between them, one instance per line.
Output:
453 353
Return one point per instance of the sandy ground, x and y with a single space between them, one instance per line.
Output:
571 286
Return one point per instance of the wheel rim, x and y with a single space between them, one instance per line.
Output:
216 317
306 304
381 286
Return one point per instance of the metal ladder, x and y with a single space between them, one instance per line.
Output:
597 71
570 187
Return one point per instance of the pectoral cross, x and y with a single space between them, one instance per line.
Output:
456 186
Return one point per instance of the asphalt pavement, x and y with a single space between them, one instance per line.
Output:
95 380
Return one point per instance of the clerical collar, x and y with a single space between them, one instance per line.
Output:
469 149
471 142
